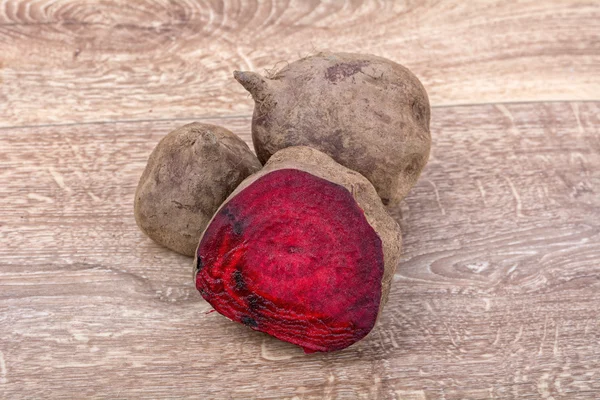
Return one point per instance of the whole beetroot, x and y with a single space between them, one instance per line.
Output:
302 250
368 113
188 175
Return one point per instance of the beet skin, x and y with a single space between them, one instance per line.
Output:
368 113
293 253
189 174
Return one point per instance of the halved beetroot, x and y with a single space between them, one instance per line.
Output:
303 250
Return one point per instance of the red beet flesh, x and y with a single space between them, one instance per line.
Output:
293 255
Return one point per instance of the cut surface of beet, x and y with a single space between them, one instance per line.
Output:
293 255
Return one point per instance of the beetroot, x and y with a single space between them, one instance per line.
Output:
302 250
368 113
189 174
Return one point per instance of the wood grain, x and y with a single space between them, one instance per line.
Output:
73 61
497 295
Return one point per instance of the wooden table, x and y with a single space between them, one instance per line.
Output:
498 292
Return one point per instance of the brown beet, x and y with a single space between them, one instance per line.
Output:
368 113
188 176
302 250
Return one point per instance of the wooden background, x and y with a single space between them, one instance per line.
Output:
498 292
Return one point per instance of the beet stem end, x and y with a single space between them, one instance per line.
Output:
254 83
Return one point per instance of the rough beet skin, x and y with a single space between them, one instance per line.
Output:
369 113
189 174
302 250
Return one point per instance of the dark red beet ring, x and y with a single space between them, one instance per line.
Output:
293 255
